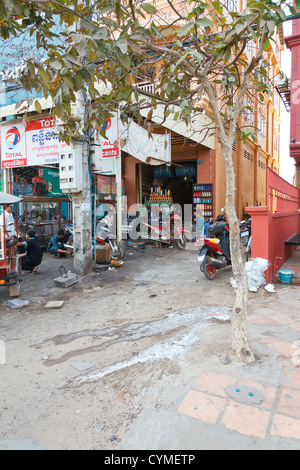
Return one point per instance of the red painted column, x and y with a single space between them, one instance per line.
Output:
260 235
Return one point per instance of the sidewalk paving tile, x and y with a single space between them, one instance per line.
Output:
291 378
285 426
295 326
289 402
265 321
215 383
282 318
202 406
283 347
246 420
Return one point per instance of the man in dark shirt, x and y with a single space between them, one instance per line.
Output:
56 245
34 255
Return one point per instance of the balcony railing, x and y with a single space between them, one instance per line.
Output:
146 86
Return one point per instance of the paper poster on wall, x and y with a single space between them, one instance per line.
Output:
35 144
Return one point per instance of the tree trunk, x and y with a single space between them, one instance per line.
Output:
239 336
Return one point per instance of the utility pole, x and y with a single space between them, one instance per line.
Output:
119 200
75 179
82 221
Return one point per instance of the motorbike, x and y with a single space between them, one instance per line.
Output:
215 252
245 231
165 232
245 235
104 235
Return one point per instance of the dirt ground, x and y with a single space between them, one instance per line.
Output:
77 377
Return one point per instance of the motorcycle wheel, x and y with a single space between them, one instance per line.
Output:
115 254
181 242
209 270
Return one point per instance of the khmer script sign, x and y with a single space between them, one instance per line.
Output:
33 144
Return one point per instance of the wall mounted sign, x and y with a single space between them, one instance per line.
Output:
34 144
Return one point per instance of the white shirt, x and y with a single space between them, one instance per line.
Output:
9 224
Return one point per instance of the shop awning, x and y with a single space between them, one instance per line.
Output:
200 130
6 198
153 149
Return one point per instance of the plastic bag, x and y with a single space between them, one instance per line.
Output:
255 269
17 303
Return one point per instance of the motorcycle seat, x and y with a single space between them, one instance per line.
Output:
213 240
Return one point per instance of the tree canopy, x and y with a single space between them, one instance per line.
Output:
101 48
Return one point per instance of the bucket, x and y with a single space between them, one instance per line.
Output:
286 275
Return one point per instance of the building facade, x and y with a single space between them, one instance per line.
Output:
293 89
197 171
202 163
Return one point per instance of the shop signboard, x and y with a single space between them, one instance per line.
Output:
39 182
111 145
33 144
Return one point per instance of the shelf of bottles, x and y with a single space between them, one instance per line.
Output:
159 197
203 200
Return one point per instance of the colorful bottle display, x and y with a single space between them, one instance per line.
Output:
159 197
203 200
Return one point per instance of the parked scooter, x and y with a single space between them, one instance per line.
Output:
105 236
245 235
245 231
215 252
166 232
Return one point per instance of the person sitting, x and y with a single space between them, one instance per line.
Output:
33 256
56 246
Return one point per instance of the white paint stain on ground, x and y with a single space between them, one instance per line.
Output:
171 348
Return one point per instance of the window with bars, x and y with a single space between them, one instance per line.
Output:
275 142
250 48
231 5
261 164
125 3
248 156
249 113
276 99
262 125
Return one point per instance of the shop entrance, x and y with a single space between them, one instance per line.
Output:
173 183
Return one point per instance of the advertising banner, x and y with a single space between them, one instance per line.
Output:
40 182
33 144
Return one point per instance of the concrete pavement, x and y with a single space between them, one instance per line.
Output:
224 405
232 406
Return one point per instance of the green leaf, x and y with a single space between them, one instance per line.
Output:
227 54
68 82
204 22
185 29
38 106
44 77
149 8
85 75
124 59
266 45
196 55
